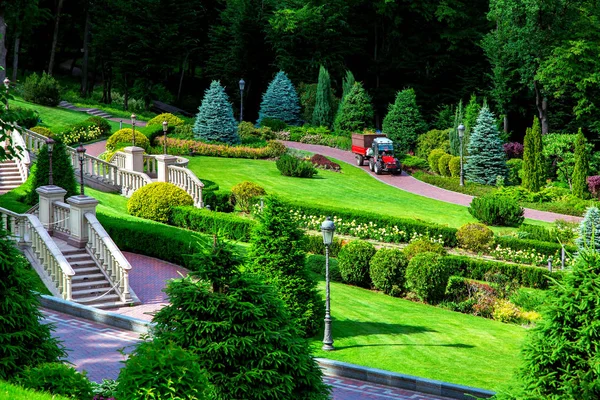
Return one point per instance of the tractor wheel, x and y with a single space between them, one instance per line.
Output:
359 160
377 168
371 165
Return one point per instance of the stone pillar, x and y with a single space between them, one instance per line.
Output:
49 194
162 166
77 222
134 158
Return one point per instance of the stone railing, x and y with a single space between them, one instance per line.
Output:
33 141
108 257
61 213
23 160
94 167
150 165
131 181
118 159
188 181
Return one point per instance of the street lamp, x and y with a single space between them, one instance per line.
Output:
327 228
6 85
165 127
50 144
242 85
81 154
461 134
133 117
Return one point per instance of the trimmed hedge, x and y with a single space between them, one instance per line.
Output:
314 244
201 220
186 147
546 248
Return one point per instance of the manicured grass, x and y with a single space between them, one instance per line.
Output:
13 392
384 332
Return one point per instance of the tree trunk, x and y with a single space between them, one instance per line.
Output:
16 56
505 123
126 94
541 103
2 47
55 36
86 53
181 77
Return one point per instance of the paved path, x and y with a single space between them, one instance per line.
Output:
412 185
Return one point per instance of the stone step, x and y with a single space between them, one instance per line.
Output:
7 188
11 179
103 302
88 277
84 270
74 251
76 256
9 172
89 293
77 287
83 265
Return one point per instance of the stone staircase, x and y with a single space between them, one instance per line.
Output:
10 177
91 111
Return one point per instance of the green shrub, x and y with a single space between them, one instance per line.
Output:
101 123
413 162
457 289
290 165
505 311
427 277
454 167
58 379
546 248
211 222
276 125
434 139
403 123
123 138
497 211
475 237
314 244
434 158
247 131
193 147
354 260
154 201
184 132
529 299
171 119
43 90
537 232
42 131
165 370
387 269
515 169
244 193
80 132
217 200
25 117
316 263
62 171
423 245
443 166
355 112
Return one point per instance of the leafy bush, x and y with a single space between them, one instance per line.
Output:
434 159
434 139
184 132
276 125
314 244
123 138
594 185
42 131
25 117
316 263
246 130
354 260
505 311
171 119
475 237
443 166
43 90
513 150
515 170
104 390
80 133
194 147
290 165
546 248
454 166
387 269
244 193
412 163
217 200
315 135
101 123
154 201
427 277
421 246
497 211
323 162
62 171
58 379
529 299
212 222
537 232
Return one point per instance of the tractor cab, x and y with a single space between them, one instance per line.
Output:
383 147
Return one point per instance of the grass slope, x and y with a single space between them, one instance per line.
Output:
13 392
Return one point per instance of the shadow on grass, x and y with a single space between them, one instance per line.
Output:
454 345
349 328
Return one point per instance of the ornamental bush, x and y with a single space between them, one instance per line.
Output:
276 125
58 379
154 201
101 123
434 159
62 171
42 131
403 122
246 130
427 277
280 101
582 167
25 117
124 137
594 185
244 193
290 165
215 121
43 90
355 112
454 166
513 150
353 262
515 170
496 211
423 245
228 225
80 133
387 269
193 147
589 231
533 158
172 120
475 237
434 139
443 165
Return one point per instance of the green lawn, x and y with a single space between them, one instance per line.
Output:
384 332
13 392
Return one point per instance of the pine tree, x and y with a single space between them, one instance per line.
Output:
533 158
403 122
486 160
589 231
471 113
582 167
276 254
323 112
215 121
356 112
280 101
347 85
454 139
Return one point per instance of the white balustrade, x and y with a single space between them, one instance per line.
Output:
60 217
188 181
23 161
33 141
131 181
118 159
182 162
150 165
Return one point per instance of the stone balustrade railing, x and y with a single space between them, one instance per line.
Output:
150 166
95 167
188 181
108 257
61 212
131 181
33 141
23 160
118 159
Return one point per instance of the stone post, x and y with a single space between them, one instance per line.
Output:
48 195
162 166
134 158
77 222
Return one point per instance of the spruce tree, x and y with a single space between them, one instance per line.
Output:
215 121
356 112
280 101
347 85
582 167
471 113
454 139
533 158
323 112
276 254
486 160
589 230
403 122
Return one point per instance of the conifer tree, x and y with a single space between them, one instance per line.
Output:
215 121
323 112
471 112
356 112
280 101
589 231
533 158
62 171
403 122
347 84
582 167
454 139
277 255
486 160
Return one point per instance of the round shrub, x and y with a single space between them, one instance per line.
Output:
154 201
353 262
475 237
423 245
123 138
43 90
387 269
276 125
101 123
454 167
290 165
170 118
58 379
25 117
515 166
42 131
497 211
443 164
427 277
434 158
244 192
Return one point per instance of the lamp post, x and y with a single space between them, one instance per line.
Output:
461 134
165 127
327 228
7 86
133 117
80 155
242 85
50 144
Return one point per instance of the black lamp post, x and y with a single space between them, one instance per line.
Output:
7 86
80 155
133 117
165 127
461 134
50 144
242 85
327 228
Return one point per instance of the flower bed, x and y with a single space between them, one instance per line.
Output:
186 147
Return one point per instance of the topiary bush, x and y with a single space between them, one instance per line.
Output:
353 262
42 131
290 165
154 201
316 263
58 379
43 90
427 277
387 270
244 193
423 245
101 123
496 211
123 138
434 158
443 166
215 121
172 120
454 167
475 237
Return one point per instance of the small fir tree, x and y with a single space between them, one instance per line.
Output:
403 122
454 138
533 158
356 112
215 121
582 167
486 160
589 230
280 101
347 85
62 171
277 255
471 112
323 112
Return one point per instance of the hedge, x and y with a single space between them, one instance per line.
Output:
546 248
314 244
201 220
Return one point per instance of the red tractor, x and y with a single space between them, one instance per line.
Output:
378 150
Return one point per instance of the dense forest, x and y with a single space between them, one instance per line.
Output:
524 57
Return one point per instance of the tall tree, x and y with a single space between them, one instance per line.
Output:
533 158
454 138
23 17
55 36
280 101
582 167
356 111
403 122
2 41
323 112
215 122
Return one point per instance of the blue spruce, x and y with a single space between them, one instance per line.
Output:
280 101
215 121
